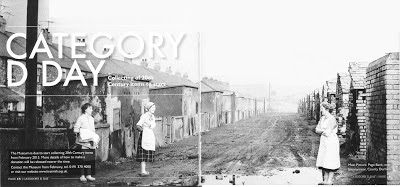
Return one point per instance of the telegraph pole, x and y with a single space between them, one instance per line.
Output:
31 81
269 99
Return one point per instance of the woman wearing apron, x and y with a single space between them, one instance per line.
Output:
328 159
146 142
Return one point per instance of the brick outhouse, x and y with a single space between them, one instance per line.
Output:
383 115
356 131
342 95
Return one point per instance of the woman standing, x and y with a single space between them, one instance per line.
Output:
328 159
147 141
84 127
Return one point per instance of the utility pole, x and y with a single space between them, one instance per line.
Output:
31 81
269 99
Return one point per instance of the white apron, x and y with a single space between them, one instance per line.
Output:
148 139
147 122
328 152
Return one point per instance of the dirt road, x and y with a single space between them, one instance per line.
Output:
266 149
175 165
251 146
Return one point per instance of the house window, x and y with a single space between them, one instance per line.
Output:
39 98
64 74
39 79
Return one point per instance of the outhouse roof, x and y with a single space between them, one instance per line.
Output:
344 81
331 86
357 72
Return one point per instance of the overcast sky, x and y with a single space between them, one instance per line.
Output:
291 43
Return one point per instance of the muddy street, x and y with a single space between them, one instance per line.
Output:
260 144
272 148
175 165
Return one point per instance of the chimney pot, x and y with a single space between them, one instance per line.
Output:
81 49
178 74
157 67
106 50
47 35
3 24
144 63
169 70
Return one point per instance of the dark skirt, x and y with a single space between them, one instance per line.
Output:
142 154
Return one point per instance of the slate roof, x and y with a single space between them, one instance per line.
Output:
116 67
205 88
344 81
212 85
111 66
18 46
7 95
388 56
169 80
357 72
331 86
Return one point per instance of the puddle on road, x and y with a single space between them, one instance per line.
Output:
284 176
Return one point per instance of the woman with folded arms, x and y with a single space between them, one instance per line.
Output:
328 159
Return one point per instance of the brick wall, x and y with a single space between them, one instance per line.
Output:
357 130
383 115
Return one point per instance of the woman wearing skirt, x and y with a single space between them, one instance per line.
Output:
86 138
146 142
328 159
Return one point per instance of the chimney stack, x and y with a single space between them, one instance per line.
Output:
47 35
144 63
106 50
157 67
169 70
3 24
129 60
178 74
81 49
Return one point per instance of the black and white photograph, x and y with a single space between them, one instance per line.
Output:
128 91
199 93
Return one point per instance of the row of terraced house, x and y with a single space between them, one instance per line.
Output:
179 112
367 99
